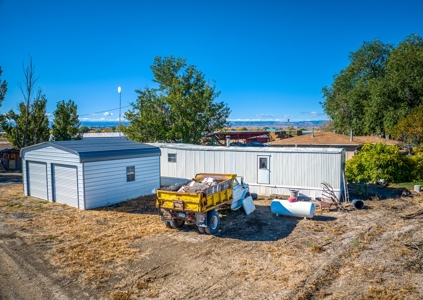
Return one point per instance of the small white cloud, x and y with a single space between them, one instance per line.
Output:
265 116
313 114
102 119
108 114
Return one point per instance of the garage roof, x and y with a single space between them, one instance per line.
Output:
90 150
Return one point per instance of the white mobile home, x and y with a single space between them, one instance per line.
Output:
267 170
90 173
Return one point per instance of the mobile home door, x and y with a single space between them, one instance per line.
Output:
263 174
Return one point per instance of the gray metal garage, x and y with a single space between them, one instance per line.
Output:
90 173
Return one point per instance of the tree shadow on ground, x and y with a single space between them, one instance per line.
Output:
260 225
370 191
141 205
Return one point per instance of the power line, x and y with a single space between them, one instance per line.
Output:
98 112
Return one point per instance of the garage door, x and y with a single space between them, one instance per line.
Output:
65 185
37 180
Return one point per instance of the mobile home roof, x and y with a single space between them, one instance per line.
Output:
248 149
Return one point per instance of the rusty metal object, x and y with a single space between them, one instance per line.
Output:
330 194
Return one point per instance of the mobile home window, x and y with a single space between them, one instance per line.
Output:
263 163
130 173
171 157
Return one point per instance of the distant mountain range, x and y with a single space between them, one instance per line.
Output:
234 124
276 124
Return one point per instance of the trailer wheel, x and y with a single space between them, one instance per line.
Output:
176 223
201 229
213 222
167 223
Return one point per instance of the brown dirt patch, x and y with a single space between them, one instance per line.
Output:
49 250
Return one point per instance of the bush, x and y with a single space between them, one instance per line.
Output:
417 161
380 161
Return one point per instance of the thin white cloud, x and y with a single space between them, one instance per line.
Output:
265 116
253 120
108 114
313 114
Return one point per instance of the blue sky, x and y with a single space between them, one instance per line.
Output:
270 59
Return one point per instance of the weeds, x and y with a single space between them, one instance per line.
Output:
356 242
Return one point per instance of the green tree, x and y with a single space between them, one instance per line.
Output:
347 98
84 129
410 128
380 87
30 126
327 126
403 84
181 109
66 122
32 130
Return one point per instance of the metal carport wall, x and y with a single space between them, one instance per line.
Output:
91 173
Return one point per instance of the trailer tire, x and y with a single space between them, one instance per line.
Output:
176 223
213 222
254 196
201 229
167 223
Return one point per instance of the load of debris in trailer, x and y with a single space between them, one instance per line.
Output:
208 186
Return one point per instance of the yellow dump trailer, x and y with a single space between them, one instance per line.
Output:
195 202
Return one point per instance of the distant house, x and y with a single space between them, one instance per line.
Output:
241 137
9 158
330 140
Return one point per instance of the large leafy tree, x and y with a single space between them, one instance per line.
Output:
403 84
410 128
381 86
347 98
66 121
30 125
181 109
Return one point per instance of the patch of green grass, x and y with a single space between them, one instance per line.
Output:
14 204
407 185
356 242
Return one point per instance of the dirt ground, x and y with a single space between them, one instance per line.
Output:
51 251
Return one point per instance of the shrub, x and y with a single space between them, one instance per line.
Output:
417 161
379 161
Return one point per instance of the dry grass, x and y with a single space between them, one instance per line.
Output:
87 242
375 253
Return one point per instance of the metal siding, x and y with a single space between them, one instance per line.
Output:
289 169
24 178
51 155
105 182
65 185
37 179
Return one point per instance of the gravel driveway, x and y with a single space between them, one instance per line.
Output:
10 178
